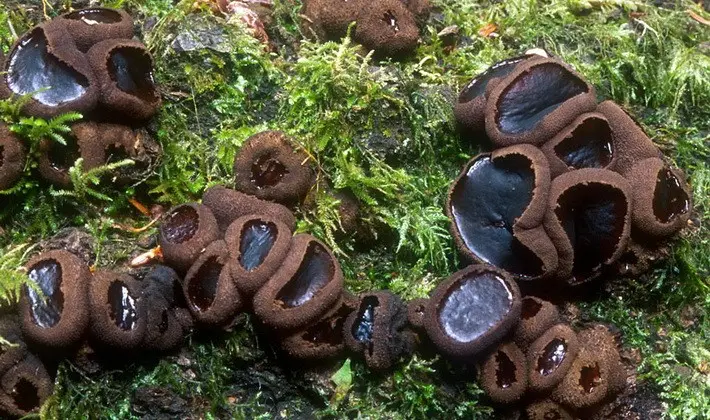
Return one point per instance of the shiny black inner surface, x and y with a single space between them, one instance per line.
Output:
485 204
123 306
590 377
505 370
535 94
180 225
477 86
364 325
391 20
203 287
530 308
256 242
25 395
316 270
474 305
62 157
32 69
590 145
267 171
47 303
669 198
593 218
95 16
552 356
131 70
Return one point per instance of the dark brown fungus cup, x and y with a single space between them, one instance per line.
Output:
419 8
118 315
46 64
599 339
536 317
378 330
228 205
661 197
589 221
329 19
587 142
308 284
25 387
633 144
388 28
269 167
53 306
588 381
547 410
324 339
55 159
473 309
550 357
504 374
95 24
209 290
257 245
496 207
470 108
124 69
164 331
536 101
415 312
185 232
12 158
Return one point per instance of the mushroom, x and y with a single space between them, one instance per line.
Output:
550 357
12 158
308 284
330 19
25 387
388 28
55 159
504 374
268 167
472 310
535 101
378 331
53 305
497 205
536 317
184 232
228 205
257 246
46 64
95 24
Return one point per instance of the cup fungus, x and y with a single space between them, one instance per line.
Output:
55 159
470 108
550 357
661 198
536 317
307 285
228 205
589 222
166 322
257 246
378 330
587 142
535 101
504 374
633 145
124 69
497 205
53 305
185 231
25 387
587 383
472 310
209 290
388 28
118 316
46 64
12 158
324 339
268 167
329 19
95 24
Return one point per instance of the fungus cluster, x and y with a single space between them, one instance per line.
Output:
84 61
390 28
572 189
